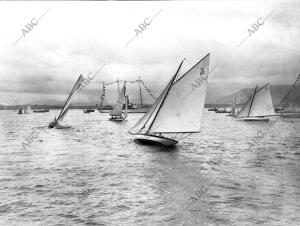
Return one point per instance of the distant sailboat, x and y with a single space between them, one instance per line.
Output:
56 122
290 112
116 113
234 109
89 110
178 110
20 111
258 106
28 110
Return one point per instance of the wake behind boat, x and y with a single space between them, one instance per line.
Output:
116 113
259 106
56 123
177 112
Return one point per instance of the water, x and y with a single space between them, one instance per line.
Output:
94 174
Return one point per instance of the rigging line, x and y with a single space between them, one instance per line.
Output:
189 92
60 114
182 134
261 88
177 135
165 95
187 135
284 99
252 101
190 69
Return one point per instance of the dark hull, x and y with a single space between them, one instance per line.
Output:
154 140
40 111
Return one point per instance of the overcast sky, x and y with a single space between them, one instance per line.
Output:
79 37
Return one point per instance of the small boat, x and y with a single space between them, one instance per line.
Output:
56 123
41 110
86 111
116 113
234 109
20 111
259 106
212 109
28 110
178 110
221 111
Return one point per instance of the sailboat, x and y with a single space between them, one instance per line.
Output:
234 109
258 106
178 110
56 122
28 110
290 112
20 111
116 113
88 110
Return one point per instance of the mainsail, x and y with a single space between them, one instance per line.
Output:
180 106
259 104
117 109
28 110
65 108
262 103
244 112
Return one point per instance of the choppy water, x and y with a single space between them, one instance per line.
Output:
93 174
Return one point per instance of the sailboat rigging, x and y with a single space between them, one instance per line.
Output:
117 113
56 122
179 108
258 106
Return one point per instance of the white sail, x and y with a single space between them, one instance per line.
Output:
262 103
126 107
117 109
28 110
66 106
182 108
142 126
244 112
233 110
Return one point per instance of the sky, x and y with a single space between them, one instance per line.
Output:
74 38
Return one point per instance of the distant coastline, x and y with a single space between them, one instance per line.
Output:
106 107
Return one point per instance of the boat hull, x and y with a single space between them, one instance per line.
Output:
118 119
290 115
40 111
154 140
86 111
255 119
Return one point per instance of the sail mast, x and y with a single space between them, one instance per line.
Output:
140 91
74 89
171 83
117 109
252 101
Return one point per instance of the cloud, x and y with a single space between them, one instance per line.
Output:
75 40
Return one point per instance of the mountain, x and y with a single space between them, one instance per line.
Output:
277 92
216 95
